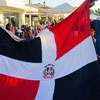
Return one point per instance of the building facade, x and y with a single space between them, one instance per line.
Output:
16 12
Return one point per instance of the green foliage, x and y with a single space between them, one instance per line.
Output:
91 11
75 7
97 12
40 20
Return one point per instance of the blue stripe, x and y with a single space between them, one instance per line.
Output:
83 84
29 51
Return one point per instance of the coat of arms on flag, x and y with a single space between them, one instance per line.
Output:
49 71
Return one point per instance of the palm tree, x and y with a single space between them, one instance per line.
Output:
97 12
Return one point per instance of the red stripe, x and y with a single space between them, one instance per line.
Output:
17 89
73 30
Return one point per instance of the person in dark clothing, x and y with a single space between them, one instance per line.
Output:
95 24
8 26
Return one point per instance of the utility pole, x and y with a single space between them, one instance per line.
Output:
30 2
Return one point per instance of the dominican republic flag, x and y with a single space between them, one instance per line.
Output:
59 64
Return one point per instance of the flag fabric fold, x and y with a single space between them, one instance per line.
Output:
59 64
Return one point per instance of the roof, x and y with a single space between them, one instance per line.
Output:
19 5
63 8
41 5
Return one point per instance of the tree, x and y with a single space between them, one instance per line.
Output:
91 11
75 7
97 12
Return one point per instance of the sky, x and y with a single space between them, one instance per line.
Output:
54 3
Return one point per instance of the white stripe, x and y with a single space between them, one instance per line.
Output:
21 69
46 90
48 46
79 56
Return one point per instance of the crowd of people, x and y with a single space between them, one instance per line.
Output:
27 31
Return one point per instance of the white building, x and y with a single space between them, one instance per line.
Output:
15 11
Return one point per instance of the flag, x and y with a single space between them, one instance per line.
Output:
59 64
